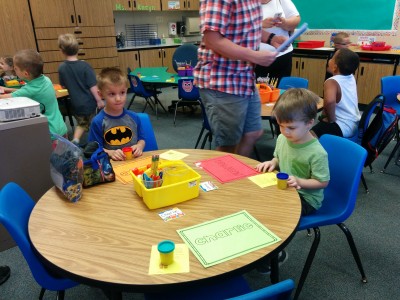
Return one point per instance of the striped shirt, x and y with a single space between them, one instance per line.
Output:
240 22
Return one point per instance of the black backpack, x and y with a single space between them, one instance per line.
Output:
375 135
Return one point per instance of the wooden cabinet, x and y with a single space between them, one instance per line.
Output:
71 13
16 25
190 4
313 69
157 57
136 5
93 25
369 79
129 59
183 5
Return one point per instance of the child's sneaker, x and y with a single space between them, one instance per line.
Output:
266 268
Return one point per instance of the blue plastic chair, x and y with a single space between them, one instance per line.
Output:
231 289
188 94
390 87
15 208
139 90
346 162
293 82
205 126
185 53
151 142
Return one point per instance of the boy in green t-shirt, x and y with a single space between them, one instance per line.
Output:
297 152
28 66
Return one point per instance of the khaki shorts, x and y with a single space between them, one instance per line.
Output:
84 121
231 116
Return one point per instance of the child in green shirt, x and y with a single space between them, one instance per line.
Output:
297 152
28 66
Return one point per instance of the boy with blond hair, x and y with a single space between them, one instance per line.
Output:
28 66
115 127
80 80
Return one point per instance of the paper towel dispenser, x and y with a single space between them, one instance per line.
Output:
192 25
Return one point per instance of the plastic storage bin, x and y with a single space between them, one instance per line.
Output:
310 44
180 183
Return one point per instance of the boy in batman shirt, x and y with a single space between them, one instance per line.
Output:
115 127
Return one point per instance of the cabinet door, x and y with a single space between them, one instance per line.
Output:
167 54
146 5
128 59
314 69
53 13
191 5
16 25
89 13
296 66
119 5
369 80
151 58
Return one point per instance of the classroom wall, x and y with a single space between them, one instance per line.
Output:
391 37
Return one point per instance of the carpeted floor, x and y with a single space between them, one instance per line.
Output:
333 275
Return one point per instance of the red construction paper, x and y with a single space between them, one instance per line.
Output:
227 168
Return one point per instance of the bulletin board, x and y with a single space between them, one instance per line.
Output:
349 14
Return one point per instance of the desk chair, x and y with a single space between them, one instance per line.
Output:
293 82
346 161
138 89
390 87
205 126
151 142
230 289
188 94
185 53
15 208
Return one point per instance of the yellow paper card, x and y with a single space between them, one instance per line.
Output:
173 155
180 264
264 180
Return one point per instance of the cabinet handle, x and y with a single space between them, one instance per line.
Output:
164 53
362 71
159 53
184 4
129 4
72 19
77 31
297 64
134 3
136 56
302 65
79 19
81 54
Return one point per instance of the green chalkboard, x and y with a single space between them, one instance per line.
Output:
347 14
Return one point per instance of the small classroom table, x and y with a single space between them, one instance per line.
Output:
105 239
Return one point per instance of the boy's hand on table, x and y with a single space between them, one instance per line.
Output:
116 154
267 166
292 182
137 150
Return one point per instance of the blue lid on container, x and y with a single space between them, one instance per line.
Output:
283 176
166 246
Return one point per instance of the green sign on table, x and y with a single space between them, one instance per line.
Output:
225 238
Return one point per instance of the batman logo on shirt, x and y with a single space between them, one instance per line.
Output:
118 135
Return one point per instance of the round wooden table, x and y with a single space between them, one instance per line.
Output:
105 238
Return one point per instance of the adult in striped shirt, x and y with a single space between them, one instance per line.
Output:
228 52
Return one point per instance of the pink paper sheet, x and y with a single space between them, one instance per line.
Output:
227 168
